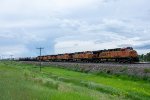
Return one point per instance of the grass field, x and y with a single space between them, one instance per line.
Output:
25 82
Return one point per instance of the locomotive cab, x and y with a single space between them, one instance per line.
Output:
134 56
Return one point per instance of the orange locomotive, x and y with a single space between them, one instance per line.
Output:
86 56
121 55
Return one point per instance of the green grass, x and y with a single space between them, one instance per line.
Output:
135 89
25 82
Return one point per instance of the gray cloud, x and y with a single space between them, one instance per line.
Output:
61 26
144 46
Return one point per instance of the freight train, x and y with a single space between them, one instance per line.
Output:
120 55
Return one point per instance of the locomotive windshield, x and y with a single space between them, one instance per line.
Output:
130 48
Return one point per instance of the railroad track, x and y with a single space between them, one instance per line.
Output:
143 63
139 64
107 63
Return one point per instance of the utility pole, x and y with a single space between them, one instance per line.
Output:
40 56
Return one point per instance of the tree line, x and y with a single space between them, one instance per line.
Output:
144 57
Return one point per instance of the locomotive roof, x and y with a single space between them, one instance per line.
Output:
78 52
116 49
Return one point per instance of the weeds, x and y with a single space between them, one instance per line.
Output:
61 84
147 70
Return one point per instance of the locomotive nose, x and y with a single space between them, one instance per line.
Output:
134 56
133 53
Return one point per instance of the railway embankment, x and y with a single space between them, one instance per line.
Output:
138 70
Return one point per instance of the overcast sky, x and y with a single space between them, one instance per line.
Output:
73 25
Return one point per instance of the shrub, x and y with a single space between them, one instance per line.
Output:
147 70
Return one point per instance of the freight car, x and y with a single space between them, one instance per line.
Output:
28 59
121 55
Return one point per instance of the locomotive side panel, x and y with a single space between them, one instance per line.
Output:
54 57
45 58
67 57
118 55
59 57
88 55
83 56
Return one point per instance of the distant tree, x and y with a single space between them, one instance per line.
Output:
142 57
148 56
145 57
